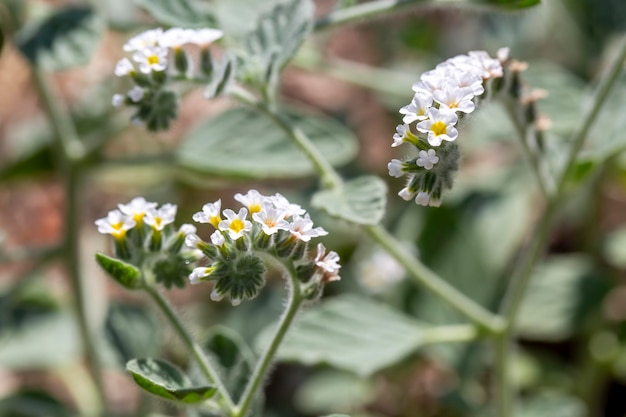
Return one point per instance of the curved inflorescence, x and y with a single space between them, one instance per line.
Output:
443 96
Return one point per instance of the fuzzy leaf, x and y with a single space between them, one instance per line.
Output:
165 380
64 40
183 13
276 40
350 333
131 331
243 143
509 4
361 200
125 274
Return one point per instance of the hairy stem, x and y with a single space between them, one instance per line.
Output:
522 275
260 371
70 152
205 366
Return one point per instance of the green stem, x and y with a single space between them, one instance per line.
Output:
329 177
254 383
524 135
70 153
502 378
521 277
368 10
486 320
454 333
205 366
483 318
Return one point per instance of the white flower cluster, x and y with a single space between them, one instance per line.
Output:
442 97
150 50
265 222
136 213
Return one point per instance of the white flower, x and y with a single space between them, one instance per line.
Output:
471 81
193 241
328 264
151 59
117 100
235 224
427 159
161 217
491 67
205 37
406 194
217 238
402 132
420 104
503 54
425 199
175 38
289 209
271 219
430 81
136 94
210 214
455 98
379 271
422 198
116 224
395 168
439 125
137 208
253 200
187 229
147 39
197 275
302 228
124 67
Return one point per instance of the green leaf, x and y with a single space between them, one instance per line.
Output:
552 405
276 40
183 13
350 333
560 295
64 40
508 4
125 274
131 332
165 380
243 143
233 358
615 248
32 404
331 390
34 334
360 201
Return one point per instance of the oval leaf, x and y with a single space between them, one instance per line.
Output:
125 274
350 333
184 13
243 143
64 40
165 380
360 201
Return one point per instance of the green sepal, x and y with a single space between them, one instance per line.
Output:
161 378
125 274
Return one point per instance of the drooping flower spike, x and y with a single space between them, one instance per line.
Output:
442 97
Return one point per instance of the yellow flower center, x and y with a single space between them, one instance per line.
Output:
254 208
215 221
138 217
153 59
157 222
119 231
270 223
439 128
236 225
